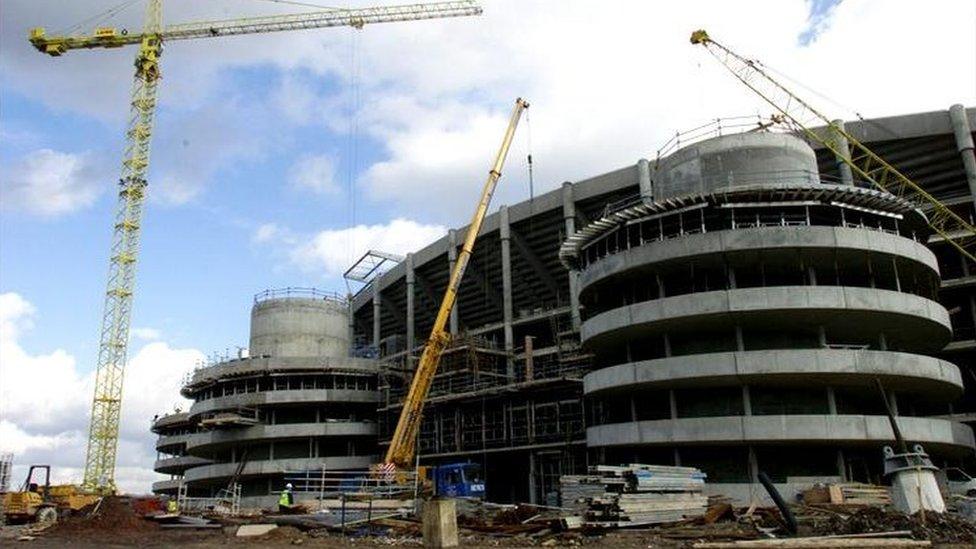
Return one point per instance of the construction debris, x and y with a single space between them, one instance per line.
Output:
936 527
635 494
252 530
826 542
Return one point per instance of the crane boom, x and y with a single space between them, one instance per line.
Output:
357 18
103 435
863 161
402 448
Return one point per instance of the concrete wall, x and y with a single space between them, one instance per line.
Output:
734 161
299 327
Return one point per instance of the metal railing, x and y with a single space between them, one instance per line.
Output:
717 128
299 292
226 502
353 484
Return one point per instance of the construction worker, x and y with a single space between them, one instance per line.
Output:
286 499
172 507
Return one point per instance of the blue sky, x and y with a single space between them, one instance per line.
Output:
256 164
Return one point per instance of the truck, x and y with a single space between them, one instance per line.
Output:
43 503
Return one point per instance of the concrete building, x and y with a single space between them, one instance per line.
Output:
515 400
297 402
742 311
734 325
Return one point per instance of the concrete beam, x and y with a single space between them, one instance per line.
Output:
476 275
806 367
822 429
535 263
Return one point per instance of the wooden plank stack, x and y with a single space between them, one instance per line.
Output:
635 494
859 494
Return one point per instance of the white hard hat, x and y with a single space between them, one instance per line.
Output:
288 486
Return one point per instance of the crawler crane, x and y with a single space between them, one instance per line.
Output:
402 451
113 346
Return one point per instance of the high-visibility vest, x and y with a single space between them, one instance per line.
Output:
284 498
171 506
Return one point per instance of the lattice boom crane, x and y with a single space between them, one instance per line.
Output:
113 344
862 161
402 450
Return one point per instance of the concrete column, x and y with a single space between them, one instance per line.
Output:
831 401
451 260
569 217
674 403
644 180
532 498
846 176
352 326
377 312
746 401
505 233
964 142
411 285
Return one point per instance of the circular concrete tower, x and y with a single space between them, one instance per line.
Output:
740 321
297 323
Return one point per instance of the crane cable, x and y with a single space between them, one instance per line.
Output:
98 17
306 5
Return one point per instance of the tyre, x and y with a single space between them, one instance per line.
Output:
46 515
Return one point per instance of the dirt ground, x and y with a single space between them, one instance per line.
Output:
289 537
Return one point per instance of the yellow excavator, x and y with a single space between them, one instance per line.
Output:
458 479
43 503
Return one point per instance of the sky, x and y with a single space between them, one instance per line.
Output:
278 159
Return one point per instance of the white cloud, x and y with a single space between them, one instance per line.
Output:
145 334
315 173
266 232
51 183
45 399
609 81
333 251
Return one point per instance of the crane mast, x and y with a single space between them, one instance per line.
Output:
103 431
862 161
106 407
402 450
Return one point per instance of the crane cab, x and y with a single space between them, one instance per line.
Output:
462 480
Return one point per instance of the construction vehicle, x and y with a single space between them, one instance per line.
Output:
854 157
113 346
459 479
43 503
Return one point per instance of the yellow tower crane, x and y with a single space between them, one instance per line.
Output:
113 344
862 161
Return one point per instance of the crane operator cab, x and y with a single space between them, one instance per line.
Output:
462 480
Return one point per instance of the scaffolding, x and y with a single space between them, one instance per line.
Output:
226 502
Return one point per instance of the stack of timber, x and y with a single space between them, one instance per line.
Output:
850 493
859 494
635 494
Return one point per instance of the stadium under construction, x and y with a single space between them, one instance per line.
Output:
728 303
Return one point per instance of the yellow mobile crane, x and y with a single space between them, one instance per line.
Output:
858 157
402 451
113 344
